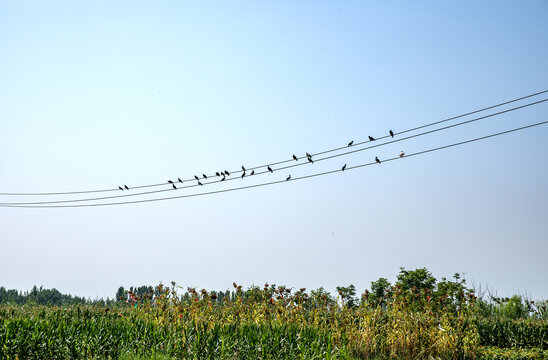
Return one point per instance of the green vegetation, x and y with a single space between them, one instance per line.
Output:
416 318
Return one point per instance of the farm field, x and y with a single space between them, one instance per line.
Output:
444 321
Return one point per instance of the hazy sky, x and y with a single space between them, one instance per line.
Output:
98 94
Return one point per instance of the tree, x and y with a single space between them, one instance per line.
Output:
416 281
347 295
380 292
121 294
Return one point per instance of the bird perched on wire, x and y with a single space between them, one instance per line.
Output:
125 186
350 143
243 168
252 172
391 133
377 160
295 158
181 181
197 178
243 174
269 169
169 181
217 173
371 138
308 155
344 167
227 173
310 159
174 187
402 154
224 178
288 178
119 187
199 183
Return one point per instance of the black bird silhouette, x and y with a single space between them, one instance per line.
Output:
169 181
269 169
226 172
223 179
174 187
205 176
391 133
295 158
125 186
252 172
119 187
217 173
344 167
199 183
243 174
371 138
308 155
181 181
310 160
288 178
243 168
197 178
350 143
377 160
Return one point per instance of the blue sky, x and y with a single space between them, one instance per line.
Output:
98 94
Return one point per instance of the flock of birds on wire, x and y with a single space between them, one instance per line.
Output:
225 173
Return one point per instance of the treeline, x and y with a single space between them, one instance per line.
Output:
415 288
41 296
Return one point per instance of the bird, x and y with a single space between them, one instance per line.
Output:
181 181
310 160
223 179
197 178
371 138
377 160
269 169
402 154
125 186
350 143
217 173
205 176
243 174
295 158
199 183
169 181
243 168
226 172
252 172
344 167
174 187
288 178
119 187
391 133
308 155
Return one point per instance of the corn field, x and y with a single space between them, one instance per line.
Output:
264 323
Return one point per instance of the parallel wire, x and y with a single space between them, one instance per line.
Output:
284 181
280 168
286 161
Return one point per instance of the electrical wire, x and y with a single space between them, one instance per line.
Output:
285 181
281 168
290 160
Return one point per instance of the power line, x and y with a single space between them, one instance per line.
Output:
281 168
285 181
290 160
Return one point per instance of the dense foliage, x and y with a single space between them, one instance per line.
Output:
416 318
